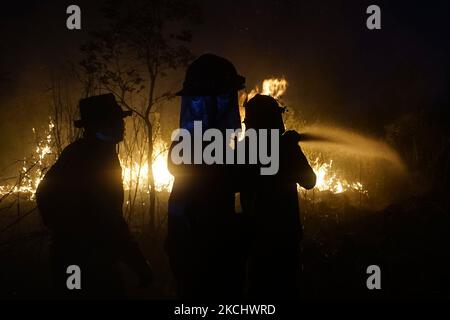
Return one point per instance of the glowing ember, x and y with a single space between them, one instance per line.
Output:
161 174
137 175
31 172
134 175
327 180
274 87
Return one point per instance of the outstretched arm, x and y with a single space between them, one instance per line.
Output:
296 161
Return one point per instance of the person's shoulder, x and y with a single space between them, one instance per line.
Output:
70 159
76 146
74 151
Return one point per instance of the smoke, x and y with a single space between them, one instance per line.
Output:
327 138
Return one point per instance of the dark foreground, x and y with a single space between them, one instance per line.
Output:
408 241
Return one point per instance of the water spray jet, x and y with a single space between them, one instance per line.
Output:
327 138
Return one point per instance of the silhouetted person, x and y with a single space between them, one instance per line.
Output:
272 203
80 200
203 230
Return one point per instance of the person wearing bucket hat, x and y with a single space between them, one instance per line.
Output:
102 115
203 242
80 200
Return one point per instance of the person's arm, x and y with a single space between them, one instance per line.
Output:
135 259
306 176
118 239
296 162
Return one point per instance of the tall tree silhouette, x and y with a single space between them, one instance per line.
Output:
144 41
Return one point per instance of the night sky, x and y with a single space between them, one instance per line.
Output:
338 70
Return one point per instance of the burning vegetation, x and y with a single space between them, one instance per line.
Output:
135 165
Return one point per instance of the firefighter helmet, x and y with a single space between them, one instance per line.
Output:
264 112
211 75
